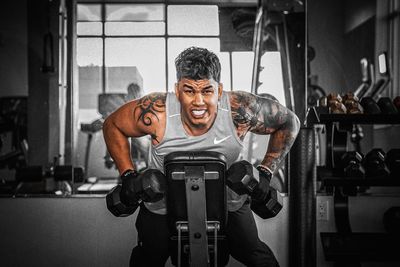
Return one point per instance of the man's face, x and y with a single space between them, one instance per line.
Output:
199 103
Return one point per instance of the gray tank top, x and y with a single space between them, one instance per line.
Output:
221 137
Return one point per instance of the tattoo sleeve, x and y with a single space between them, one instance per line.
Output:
261 115
148 110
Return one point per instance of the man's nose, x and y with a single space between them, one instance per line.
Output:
198 99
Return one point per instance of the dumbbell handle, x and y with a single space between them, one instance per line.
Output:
251 181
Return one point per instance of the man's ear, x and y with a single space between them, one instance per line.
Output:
220 87
176 90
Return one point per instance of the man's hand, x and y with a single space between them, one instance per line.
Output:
130 182
148 186
262 190
243 178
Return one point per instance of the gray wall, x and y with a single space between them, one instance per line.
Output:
13 49
365 213
79 231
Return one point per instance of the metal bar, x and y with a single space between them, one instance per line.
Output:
179 245
256 48
215 245
211 226
196 211
166 46
103 69
211 175
289 68
149 36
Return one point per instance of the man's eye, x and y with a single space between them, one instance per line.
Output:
208 92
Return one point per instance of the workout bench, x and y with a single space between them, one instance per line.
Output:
197 212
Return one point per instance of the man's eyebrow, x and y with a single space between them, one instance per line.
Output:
187 85
208 87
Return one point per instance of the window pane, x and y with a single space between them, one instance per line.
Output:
271 76
135 28
193 20
177 45
135 12
225 70
88 28
89 12
242 64
146 54
89 51
89 58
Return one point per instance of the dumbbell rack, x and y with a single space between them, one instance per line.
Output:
345 245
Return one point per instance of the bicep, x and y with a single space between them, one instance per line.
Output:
271 116
123 119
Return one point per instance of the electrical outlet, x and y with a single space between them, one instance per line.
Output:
322 210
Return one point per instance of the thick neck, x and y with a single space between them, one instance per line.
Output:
196 130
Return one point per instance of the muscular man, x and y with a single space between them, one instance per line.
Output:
199 115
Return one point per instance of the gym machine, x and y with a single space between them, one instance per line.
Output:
196 203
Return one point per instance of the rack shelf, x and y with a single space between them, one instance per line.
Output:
347 247
315 116
350 181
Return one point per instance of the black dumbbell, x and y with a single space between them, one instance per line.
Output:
392 161
148 186
391 220
153 185
351 164
115 206
374 163
370 106
243 178
387 106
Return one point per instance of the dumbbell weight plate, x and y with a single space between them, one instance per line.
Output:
241 178
269 209
392 160
374 163
153 185
386 105
115 206
351 164
370 106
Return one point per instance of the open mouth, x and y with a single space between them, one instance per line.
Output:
198 113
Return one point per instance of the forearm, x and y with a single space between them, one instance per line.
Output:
118 146
264 116
280 143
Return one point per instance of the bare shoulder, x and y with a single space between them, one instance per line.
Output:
256 114
149 114
242 105
240 98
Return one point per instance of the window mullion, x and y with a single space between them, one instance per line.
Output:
103 37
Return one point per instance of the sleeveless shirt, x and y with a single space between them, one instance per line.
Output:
221 137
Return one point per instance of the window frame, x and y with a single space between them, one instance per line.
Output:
166 36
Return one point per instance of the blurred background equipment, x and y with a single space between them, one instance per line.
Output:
13 127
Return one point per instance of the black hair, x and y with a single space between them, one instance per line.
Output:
197 63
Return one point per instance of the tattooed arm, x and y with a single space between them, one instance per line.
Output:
144 116
265 116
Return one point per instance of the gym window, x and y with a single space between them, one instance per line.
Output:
123 43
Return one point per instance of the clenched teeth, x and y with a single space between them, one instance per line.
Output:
198 112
